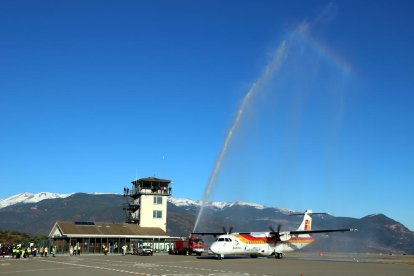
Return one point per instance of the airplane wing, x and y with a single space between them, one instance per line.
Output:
298 232
215 233
209 233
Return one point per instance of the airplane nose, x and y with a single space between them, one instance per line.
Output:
214 248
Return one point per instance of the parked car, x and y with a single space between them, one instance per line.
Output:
145 250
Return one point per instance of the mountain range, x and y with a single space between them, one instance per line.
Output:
29 198
36 214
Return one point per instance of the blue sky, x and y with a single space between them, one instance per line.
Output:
96 93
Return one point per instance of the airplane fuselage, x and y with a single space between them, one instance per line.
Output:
275 242
257 244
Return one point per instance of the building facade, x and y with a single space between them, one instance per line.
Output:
147 202
146 224
92 237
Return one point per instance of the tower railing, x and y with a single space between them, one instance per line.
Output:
137 192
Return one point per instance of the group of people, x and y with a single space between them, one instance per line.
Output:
20 251
75 250
31 250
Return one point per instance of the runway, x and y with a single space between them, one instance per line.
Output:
298 264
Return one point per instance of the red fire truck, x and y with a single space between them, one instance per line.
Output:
188 246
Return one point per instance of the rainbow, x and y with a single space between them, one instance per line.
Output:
303 35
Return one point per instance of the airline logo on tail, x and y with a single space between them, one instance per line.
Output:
307 225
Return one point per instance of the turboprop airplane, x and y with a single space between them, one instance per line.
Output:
271 243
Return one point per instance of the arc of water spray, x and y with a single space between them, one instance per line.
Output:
268 72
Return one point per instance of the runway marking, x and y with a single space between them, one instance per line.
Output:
97 267
228 274
33 270
157 268
182 275
145 265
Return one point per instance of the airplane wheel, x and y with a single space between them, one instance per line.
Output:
278 255
219 257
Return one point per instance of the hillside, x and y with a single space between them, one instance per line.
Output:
377 233
14 237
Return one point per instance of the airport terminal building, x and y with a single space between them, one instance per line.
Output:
146 224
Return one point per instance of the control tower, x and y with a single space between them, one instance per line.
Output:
147 202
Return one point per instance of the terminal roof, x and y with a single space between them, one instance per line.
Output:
104 229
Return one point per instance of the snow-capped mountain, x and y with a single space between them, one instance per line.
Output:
220 205
29 198
23 198
183 202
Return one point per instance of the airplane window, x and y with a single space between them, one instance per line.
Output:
221 239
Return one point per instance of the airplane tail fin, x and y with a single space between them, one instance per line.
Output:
306 224
307 221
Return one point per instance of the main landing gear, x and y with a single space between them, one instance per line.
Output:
278 255
220 256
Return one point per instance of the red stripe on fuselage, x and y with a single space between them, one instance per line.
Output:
251 238
295 239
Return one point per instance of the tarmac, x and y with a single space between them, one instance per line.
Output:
298 264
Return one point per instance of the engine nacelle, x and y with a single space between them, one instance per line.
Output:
285 236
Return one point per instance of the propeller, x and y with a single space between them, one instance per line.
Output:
227 232
275 232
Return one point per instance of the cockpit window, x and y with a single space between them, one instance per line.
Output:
224 240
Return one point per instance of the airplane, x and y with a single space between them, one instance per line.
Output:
271 243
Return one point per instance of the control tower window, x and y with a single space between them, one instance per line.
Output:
158 200
157 214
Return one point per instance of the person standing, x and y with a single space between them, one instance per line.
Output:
46 250
28 252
